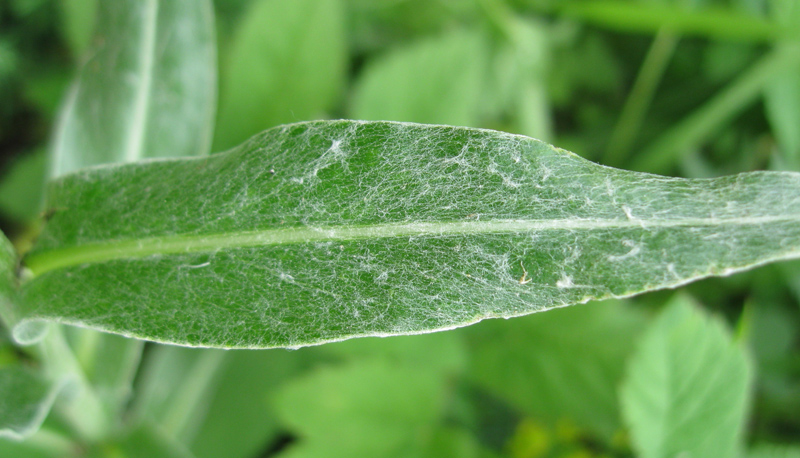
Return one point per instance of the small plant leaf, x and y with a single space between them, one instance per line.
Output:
687 387
287 63
25 401
437 80
322 231
383 409
147 88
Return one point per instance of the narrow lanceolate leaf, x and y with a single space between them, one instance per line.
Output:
147 88
323 231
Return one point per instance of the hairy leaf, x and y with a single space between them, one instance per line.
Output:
323 231
687 387
147 88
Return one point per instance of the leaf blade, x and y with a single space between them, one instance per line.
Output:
379 228
148 88
687 372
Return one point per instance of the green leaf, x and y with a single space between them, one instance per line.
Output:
239 422
143 442
22 188
381 409
782 107
324 231
437 80
147 90
687 387
541 366
287 63
774 451
25 400
8 282
78 18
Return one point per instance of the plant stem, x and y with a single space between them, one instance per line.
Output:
186 409
667 150
79 404
640 97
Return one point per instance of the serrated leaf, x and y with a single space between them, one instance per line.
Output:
687 387
322 231
287 62
147 89
25 400
437 80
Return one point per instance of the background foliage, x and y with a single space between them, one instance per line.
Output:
689 88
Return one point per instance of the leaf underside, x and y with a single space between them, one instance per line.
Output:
322 231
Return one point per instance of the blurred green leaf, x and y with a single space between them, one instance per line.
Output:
77 24
148 88
42 444
436 80
381 410
110 363
667 150
774 451
288 62
173 385
323 231
22 187
441 352
8 282
648 16
239 423
25 401
142 442
687 387
782 107
551 367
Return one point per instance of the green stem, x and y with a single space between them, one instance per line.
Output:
187 407
207 243
79 404
640 97
667 150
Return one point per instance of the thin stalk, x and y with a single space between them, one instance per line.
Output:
79 404
640 97
667 150
187 407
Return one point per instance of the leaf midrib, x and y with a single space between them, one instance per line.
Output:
42 262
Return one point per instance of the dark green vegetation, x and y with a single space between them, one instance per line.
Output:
342 214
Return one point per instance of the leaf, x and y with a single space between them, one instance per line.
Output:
687 387
782 108
25 400
382 409
147 89
288 62
323 231
142 442
8 282
239 423
436 80
22 188
774 451
77 23
546 369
